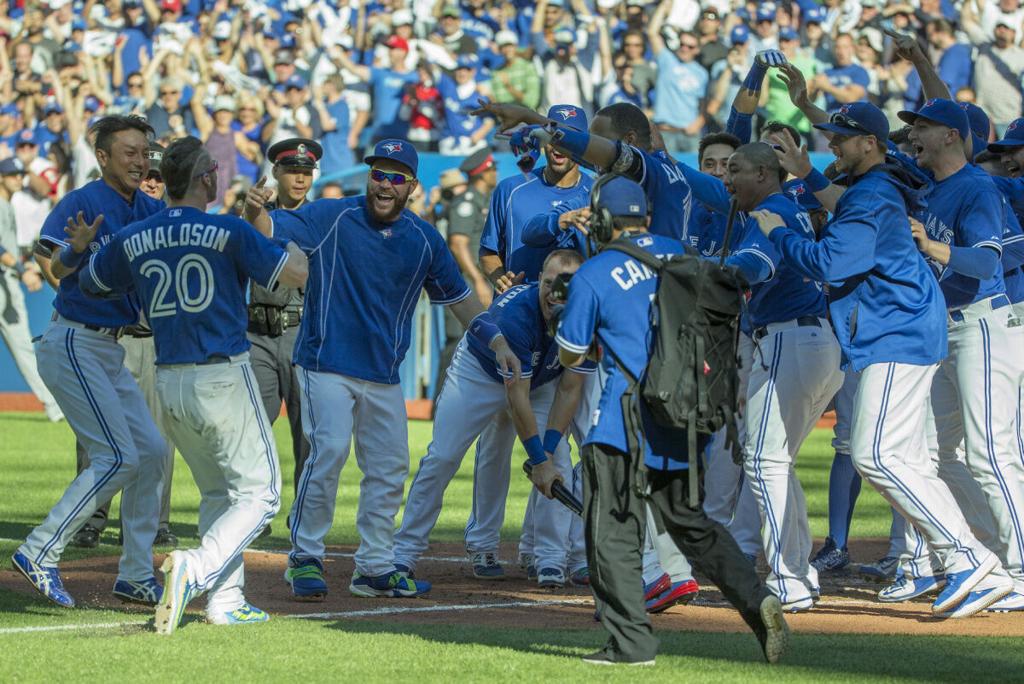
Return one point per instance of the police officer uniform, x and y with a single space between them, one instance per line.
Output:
466 215
274 320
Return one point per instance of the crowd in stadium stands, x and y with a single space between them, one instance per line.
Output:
244 74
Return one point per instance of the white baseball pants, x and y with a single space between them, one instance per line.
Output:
85 372
215 416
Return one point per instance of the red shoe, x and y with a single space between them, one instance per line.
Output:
657 587
677 593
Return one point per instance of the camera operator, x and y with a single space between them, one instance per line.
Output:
611 297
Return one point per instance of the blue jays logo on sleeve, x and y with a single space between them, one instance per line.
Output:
1013 125
393 147
566 113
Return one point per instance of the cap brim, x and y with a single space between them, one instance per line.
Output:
303 162
372 158
840 130
1005 145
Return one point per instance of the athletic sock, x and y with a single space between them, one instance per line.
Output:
843 488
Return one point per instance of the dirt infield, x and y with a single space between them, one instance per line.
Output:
848 603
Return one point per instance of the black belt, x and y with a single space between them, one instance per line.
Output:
138 331
266 319
801 321
112 332
214 360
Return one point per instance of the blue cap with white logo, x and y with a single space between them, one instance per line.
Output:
568 115
1012 138
739 35
400 151
11 166
815 15
623 197
943 112
857 118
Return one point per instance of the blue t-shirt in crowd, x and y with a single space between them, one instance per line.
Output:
853 74
337 153
680 87
190 271
388 87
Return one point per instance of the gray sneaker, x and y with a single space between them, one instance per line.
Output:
486 566
882 570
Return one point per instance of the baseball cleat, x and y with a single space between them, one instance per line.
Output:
165 538
86 538
830 558
960 584
551 578
147 592
307 580
1012 602
985 593
776 632
657 587
407 570
801 606
580 577
393 585
603 657
178 591
906 588
677 593
487 567
528 563
45 579
247 614
882 570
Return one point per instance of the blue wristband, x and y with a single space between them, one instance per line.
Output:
755 77
816 181
572 141
70 257
552 438
483 328
535 450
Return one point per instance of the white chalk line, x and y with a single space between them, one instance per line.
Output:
386 610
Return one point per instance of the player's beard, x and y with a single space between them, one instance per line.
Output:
386 204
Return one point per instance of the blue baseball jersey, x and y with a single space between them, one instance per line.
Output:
778 292
190 271
93 199
886 305
513 203
517 314
364 281
611 296
965 210
669 197
542 230
459 101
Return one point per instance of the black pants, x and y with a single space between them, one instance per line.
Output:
614 520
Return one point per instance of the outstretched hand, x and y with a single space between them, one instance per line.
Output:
80 233
255 199
796 84
794 159
508 115
771 58
907 46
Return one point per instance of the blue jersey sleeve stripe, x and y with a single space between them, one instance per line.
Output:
525 375
583 370
53 241
569 346
994 244
760 254
272 281
92 274
453 300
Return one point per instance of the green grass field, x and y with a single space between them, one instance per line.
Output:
37 460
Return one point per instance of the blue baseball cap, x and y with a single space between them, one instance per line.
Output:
11 166
815 15
623 197
400 151
92 104
467 62
569 115
52 108
788 34
766 12
26 137
1012 139
10 109
77 24
294 81
857 118
980 125
739 35
799 191
943 112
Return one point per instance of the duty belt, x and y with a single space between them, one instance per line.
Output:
266 319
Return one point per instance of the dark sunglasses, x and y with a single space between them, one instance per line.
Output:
840 119
393 177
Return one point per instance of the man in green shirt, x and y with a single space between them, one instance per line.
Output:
778 106
517 82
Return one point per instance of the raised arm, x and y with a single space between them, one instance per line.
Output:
908 48
655 26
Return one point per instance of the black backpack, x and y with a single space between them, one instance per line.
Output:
691 380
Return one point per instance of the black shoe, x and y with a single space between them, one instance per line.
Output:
86 538
265 533
604 657
775 637
164 537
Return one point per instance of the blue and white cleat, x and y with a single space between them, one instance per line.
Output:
960 584
247 614
46 580
307 580
178 591
393 585
147 592
988 591
882 570
1011 603
906 588
486 566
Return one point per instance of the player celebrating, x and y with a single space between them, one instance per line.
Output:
371 257
83 366
190 270
475 396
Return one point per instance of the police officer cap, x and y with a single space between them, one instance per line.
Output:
477 163
155 153
11 166
623 197
301 152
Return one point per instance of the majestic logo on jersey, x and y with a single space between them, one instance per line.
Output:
386 233
391 148
173 213
566 113
644 241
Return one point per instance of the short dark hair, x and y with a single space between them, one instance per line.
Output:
716 139
569 257
778 127
178 165
762 154
108 126
627 222
940 25
626 117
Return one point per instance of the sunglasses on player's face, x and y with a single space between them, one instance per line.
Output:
393 177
